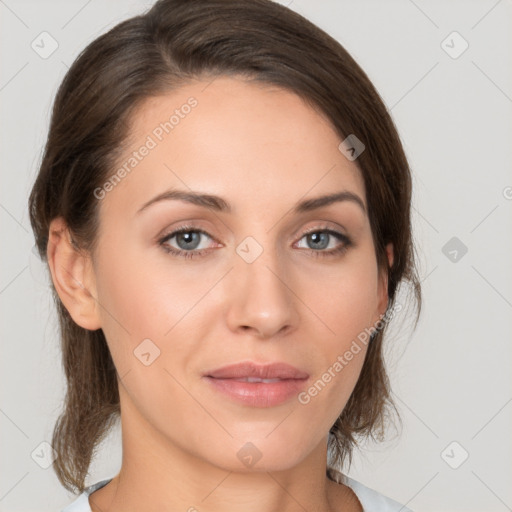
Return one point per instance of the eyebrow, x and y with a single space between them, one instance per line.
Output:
220 205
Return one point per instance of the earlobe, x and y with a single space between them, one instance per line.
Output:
72 276
390 253
383 288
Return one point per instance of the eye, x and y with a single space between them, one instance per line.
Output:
320 239
187 239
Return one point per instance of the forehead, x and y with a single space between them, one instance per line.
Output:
234 138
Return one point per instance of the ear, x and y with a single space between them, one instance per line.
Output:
73 276
383 282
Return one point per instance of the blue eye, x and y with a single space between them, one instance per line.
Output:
188 240
320 239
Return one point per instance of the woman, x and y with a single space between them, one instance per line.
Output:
224 207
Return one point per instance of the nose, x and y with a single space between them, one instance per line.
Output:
261 298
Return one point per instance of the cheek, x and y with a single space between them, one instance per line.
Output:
127 302
143 298
343 299
342 357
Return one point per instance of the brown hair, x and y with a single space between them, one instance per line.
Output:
174 42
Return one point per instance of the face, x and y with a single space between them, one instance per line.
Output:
185 287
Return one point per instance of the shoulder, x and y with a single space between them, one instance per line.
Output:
371 500
81 503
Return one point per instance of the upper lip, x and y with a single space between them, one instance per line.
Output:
262 371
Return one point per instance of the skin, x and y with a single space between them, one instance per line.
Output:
262 149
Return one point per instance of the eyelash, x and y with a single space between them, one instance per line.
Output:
197 253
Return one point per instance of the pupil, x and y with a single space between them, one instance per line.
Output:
189 238
319 238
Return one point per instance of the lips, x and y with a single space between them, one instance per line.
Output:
248 371
255 385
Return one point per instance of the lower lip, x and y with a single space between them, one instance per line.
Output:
259 394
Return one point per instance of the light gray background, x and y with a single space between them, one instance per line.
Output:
451 376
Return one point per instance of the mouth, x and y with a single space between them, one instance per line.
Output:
248 369
256 379
256 385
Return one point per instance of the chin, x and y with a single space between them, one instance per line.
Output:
258 455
